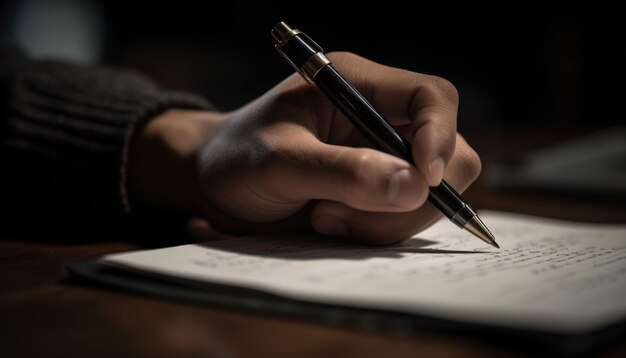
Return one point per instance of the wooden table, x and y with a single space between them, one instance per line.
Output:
41 314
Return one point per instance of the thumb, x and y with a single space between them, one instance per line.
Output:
361 178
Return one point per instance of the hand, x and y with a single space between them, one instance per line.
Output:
290 161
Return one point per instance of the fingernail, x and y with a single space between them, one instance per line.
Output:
330 225
402 191
436 171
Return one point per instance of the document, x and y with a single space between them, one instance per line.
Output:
549 275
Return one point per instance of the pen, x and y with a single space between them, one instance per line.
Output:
308 59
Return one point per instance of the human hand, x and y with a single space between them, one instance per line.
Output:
289 160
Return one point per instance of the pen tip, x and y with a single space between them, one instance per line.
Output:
478 228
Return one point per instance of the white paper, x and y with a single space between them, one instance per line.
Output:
548 275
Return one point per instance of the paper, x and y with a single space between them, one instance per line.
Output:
549 275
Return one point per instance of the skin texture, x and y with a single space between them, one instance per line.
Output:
290 161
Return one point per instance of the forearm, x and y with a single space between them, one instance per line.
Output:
65 132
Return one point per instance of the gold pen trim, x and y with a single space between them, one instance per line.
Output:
314 64
282 33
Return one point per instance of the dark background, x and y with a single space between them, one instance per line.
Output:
523 64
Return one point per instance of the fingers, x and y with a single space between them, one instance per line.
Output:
434 110
271 160
465 166
428 103
361 178
433 142
335 218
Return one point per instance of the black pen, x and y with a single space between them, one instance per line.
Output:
307 57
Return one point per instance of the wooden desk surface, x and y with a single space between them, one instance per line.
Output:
43 315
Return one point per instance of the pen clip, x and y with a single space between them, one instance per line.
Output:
302 73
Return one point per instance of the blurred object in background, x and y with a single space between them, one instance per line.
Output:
590 165
64 29
519 69
515 67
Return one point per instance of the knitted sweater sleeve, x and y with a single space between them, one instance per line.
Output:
65 133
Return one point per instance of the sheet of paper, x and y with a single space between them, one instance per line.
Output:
549 275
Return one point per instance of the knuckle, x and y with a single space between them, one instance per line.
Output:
264 158
357 176
446 138
271 153
446 88
368 174
274 152
470 165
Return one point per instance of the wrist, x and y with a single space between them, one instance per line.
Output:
162 171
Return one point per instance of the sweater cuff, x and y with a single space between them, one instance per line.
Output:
70 128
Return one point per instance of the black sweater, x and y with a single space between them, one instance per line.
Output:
64 135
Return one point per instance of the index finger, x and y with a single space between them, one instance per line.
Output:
426 104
